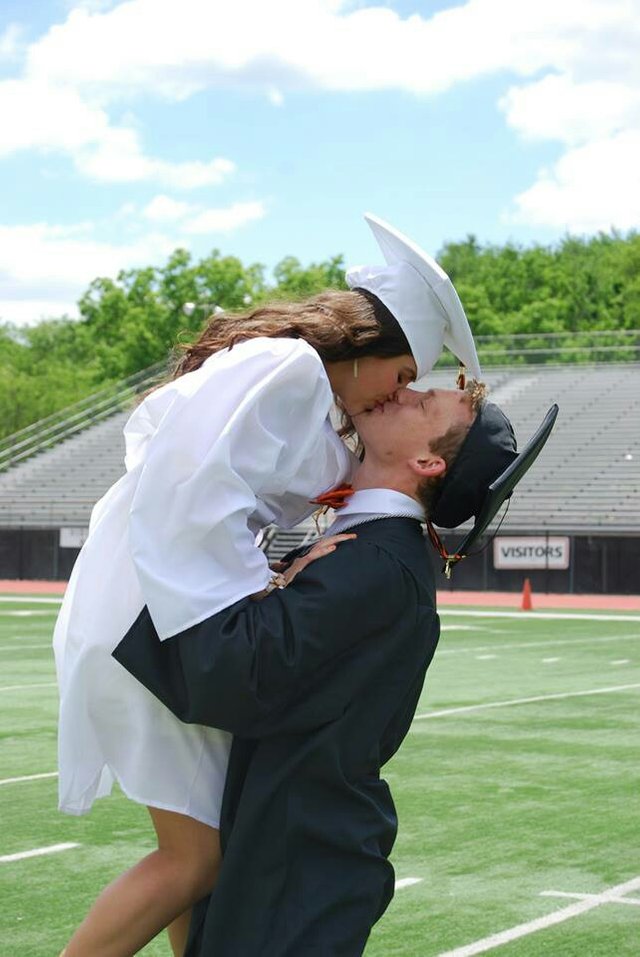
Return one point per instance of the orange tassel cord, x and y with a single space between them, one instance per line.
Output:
336 498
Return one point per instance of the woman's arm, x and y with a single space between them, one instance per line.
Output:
236 431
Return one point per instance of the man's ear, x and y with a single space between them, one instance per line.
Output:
431 466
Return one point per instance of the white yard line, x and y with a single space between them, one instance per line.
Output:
537 615
47 684
37 852
504 704
29 777
23 599
464 628
23 638
608 897
541 923
408 882
551 643
26 614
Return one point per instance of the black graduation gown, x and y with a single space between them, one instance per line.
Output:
318 683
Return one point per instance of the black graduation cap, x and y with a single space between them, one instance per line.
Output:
484 474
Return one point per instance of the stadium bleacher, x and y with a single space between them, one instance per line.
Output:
588 475
587 480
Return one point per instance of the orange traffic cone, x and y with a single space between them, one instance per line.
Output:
526 596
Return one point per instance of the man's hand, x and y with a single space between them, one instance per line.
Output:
321 548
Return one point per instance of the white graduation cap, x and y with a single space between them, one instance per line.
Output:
420 296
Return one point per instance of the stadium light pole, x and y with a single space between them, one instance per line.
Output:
189 308
211 308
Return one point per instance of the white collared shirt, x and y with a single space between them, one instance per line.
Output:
369 504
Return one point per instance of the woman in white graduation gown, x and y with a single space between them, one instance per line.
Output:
239 439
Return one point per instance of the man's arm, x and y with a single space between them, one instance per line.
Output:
245 665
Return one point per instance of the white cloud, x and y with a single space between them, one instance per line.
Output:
193 219
48 264
559 108
174 50
92 6
164 209
36 115
225 220
69 255
577 59
595 184
573 69
45 268
592 187
275 96
590 103
29 312
11 45
117 157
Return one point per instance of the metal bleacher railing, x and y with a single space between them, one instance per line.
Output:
532 348
75 418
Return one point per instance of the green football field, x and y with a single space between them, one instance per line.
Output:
517 791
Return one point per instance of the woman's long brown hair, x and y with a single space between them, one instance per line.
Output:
338 325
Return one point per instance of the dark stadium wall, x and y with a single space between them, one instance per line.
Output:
598 565
35 553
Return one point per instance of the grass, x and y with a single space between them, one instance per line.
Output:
497 804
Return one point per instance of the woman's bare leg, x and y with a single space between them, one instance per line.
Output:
178 931
156 893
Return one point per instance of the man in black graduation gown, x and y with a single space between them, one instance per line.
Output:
319 683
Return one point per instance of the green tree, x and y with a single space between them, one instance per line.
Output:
134 320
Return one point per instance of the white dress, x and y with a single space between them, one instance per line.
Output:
211 458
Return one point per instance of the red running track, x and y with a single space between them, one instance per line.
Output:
495 599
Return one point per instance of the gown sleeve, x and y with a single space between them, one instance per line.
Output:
254 669
234 430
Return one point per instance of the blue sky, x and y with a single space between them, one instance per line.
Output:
266 129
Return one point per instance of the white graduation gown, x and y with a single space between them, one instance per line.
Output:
211 458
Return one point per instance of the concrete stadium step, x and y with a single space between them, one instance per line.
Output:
583 480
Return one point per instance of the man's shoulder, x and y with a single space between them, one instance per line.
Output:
396 534
393 547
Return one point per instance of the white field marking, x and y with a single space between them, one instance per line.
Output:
24 638
517 645
504 704
550 661
485 657
635 901
46 684
26 614
27 647
538 615
407 882
29 777
541 923
30 600
36 852
621 661
463 628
